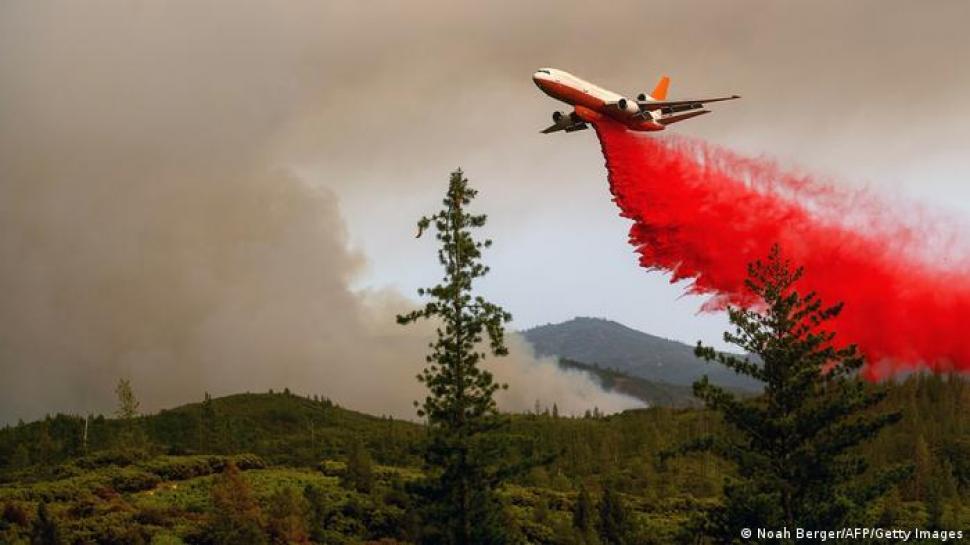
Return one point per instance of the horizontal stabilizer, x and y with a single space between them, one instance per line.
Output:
675 118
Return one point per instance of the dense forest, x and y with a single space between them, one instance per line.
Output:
331 475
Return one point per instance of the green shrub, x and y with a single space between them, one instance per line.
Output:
132 480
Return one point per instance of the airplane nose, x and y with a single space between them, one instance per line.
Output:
539 78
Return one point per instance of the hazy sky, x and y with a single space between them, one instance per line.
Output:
870 93
190 190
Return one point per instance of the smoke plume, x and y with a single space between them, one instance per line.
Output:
151 226
703 213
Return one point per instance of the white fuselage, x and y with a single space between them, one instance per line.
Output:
590 101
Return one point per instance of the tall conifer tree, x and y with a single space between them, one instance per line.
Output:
127 402
236 516
793 445
44 530
127 411
464 461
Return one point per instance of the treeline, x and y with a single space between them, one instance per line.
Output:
288 429
616 454
282 428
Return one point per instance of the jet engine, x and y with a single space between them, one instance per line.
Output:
628 106
564 119
642 97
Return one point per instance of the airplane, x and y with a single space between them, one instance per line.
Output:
651 112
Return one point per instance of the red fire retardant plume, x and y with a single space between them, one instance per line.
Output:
703 213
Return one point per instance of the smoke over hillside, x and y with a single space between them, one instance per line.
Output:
150 226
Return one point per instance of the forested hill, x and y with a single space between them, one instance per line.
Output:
652 393
612 345
338 476
282 428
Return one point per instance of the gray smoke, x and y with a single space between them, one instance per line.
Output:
172 174
152 226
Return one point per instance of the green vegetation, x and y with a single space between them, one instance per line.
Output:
359 473
109 495
791 445
236 515
650 392
281 428
464 463
127 403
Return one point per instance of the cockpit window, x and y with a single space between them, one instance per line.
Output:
545 72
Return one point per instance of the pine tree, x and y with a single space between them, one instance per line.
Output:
359 475
236 516
127 402
319 510
44 530
287 512
923 464
464 461
540 512
890 509
207 424
793 444
614 521
584 517
934 506
953 516
21 456
127 411
44 444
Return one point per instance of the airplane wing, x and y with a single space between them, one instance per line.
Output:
667 120
679 105
568 128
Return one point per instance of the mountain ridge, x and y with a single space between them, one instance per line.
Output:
652 393
612 345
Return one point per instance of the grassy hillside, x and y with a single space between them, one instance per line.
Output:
150 481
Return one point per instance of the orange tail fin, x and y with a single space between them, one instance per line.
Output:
660 91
